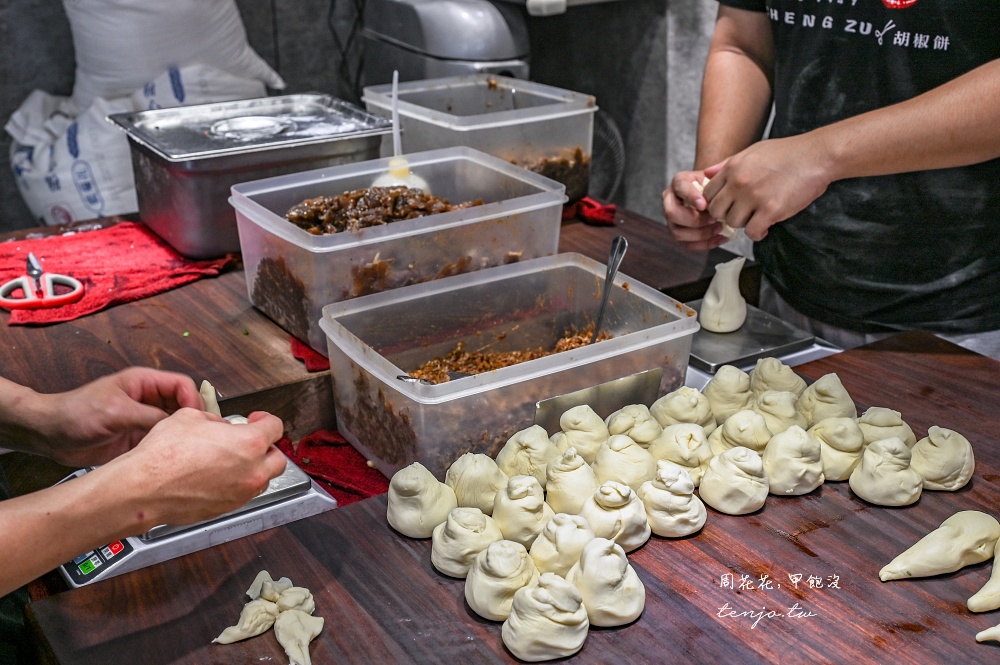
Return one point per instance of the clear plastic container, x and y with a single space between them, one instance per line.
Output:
291 273
539 127
376 339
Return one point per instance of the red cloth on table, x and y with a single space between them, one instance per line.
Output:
314 361
117 264
591 211
341 470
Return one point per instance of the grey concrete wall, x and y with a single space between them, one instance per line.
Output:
641 59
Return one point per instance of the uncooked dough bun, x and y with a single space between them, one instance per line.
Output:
557 548
826 398
527 453
724 309
615 512
793 463
672 509
944 459
841 444
965 538
777 407
772 374
459 539
418 502
735 482
476 479
612 593
987 598
684 444
636 422
879 423
884 476
728 392
570 482
582 429
684 405
295 630
264 587
520 510
257 616
622 459
495 576
547 621
744 428
296 598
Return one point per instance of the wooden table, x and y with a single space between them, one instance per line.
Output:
383 602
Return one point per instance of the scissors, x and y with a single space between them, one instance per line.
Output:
39 288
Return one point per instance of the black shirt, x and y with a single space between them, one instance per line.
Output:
914 250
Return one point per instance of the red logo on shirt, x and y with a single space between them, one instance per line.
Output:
898 4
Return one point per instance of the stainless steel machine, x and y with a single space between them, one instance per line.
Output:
425 39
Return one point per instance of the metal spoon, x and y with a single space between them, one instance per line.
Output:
618 248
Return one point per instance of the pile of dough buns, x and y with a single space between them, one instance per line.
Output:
540 534
281 604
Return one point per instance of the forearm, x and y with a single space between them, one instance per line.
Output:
955 124
47 528
736 90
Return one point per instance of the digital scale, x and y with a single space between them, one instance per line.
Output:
289 497
762 335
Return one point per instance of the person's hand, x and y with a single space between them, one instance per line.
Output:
194 466
766 183
106 417
685 209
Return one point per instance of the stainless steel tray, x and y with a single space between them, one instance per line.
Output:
762 335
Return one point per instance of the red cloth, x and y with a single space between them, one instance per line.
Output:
591 211
341 470
314 361
118 264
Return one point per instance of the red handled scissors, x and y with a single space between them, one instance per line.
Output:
38 288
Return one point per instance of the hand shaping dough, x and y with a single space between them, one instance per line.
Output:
793 463
570 482
684 405
612 593
724 309
944 459
684 444
735 482
418 502
622 459
772 374
546 621
988 597
744 428
728 392
881 423
295 630
520 510
672 509
826 398
777 407
495 576
257 616
211 398
459 539
557 548
616 513
476 479
841 444
637 422
527 453
582 429
965 538
884 476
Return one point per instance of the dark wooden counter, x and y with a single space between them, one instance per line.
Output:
383 602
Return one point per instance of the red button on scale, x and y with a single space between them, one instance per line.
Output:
116 547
